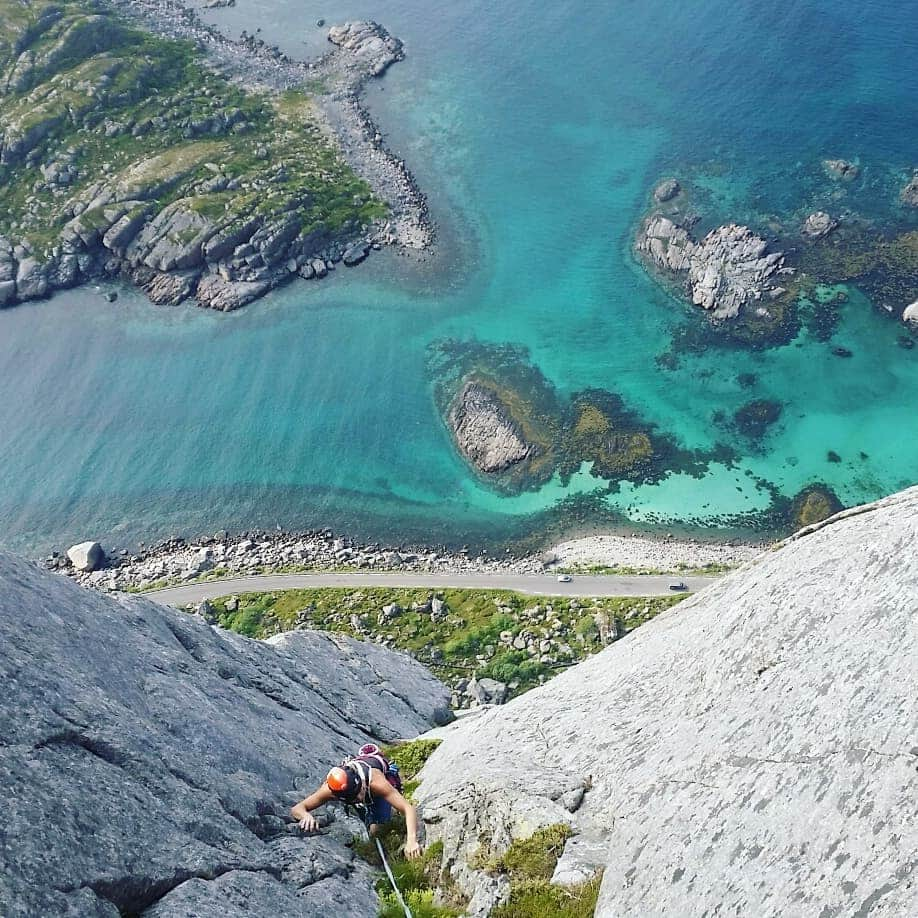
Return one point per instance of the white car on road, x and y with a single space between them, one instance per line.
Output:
564 578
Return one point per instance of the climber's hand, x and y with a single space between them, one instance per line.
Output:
412 849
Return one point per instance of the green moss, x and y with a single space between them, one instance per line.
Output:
540 899
418 880
535 857
411 756
529 864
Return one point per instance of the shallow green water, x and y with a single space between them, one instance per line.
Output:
538 137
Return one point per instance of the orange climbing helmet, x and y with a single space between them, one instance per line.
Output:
344 782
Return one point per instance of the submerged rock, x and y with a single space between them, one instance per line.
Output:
751 752
841 169
813 505
485 431
818 224
149 760
755 418
666 190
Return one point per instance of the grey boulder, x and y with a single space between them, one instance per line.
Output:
485 432
86 556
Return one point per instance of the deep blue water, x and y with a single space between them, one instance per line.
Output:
537 134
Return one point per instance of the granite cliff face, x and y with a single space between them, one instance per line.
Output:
754 751
148 760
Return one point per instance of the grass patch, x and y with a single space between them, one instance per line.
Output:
536 857
529 864
494 633
540 899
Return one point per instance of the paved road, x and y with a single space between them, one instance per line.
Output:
541 584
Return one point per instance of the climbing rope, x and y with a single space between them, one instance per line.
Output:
398 895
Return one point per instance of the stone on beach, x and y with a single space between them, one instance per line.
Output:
86 556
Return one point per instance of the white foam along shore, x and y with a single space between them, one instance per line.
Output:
643 553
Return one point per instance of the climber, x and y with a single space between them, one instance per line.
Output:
369 783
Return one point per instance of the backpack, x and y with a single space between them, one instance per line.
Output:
370 756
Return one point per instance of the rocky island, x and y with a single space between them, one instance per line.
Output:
727 271
759 291
139 144
486 433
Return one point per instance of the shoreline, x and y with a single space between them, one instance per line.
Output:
180 560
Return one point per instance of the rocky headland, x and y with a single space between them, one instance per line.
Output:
752 751
140 144
149 760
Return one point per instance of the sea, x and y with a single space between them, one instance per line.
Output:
537 131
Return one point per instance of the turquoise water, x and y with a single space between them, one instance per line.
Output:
537 135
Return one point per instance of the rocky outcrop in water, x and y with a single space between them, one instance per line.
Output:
666 190
372 48
149 760
486 433
841 169
753 751
818 224
730 270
